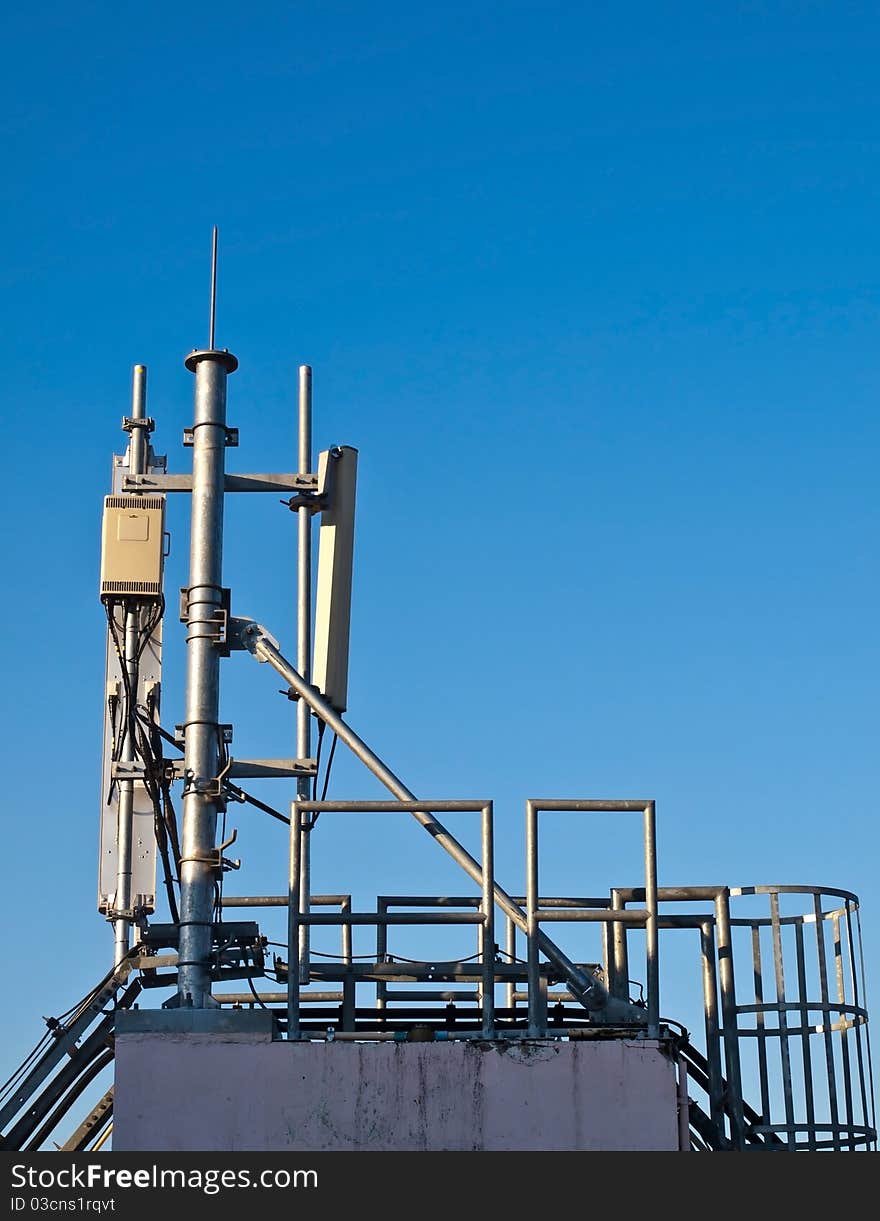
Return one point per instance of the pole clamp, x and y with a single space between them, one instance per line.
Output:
313 501
215 858
189 436
214 789
130 423
225 732
222 626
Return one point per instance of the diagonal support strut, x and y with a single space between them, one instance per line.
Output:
587 988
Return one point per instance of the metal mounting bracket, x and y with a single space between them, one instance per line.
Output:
228 628
254 769
130 423
231 437
180 738
215 858
313 501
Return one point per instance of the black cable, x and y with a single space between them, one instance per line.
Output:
110 608
168 813
12 1082
171 822
112 710
222 751
153 784
246 955
146 628
282 945
163 733
70 1015
321 728
218 881
315 814
145 633
148 718
415 962
513 958
329 766
58 1024
254 991
241 795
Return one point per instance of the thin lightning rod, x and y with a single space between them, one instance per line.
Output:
213 289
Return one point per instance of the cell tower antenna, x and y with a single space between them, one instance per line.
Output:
213 289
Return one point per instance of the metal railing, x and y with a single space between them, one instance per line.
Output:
615 920
766 1047
529 981
798 1046
780 968
300 916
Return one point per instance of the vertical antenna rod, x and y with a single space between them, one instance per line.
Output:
304 641
137 465
201 794
213 290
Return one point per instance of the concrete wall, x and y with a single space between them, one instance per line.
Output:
191 1091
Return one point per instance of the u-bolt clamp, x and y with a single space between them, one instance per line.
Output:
215 857
215 788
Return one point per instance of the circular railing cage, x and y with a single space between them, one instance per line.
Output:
793 1038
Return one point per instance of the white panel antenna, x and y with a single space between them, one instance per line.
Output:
337 477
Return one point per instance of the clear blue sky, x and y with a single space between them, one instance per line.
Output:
595 291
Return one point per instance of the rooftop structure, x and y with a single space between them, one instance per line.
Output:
247 1048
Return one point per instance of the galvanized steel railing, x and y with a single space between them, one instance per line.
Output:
782 991
800 1049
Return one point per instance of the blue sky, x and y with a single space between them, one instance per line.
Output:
594 290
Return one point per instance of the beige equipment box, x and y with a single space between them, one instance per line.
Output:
132 546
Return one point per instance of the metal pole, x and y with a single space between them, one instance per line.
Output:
304 646
806 1056
213 314
137 452
729 1019
137 465
487 929
684 1127
510 948
586 987
532 928
710 1015
822 965
349 984
345 906
782 1020
293 922
619 951
381 955
201 798
651 932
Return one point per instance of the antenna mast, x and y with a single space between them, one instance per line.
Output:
202 798
213 313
